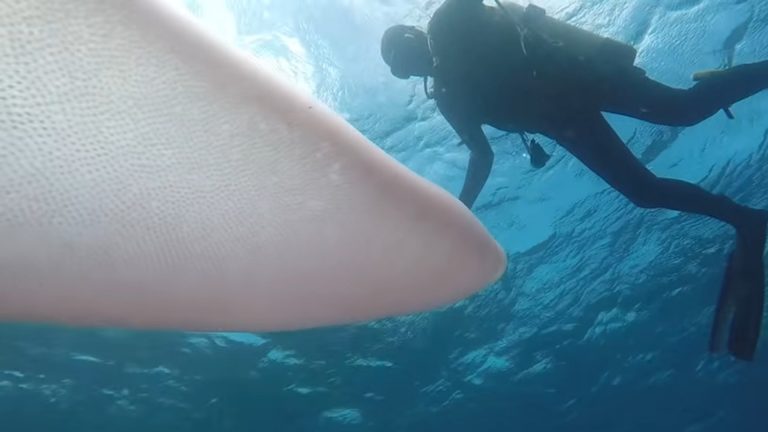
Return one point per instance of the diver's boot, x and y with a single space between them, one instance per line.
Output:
733 84
750 71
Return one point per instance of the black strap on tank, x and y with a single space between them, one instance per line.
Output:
521 30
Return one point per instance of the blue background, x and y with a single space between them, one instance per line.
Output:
600 323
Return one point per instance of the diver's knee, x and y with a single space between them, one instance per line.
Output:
684 108
645 201
690 117
686 121
648 195
684 112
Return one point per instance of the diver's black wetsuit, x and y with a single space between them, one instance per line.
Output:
482 76
588 136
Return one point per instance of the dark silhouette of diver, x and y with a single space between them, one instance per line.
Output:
518 70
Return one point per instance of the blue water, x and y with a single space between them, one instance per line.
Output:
600 324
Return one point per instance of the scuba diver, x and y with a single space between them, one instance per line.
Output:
519 70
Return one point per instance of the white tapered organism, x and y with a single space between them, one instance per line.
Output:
153 177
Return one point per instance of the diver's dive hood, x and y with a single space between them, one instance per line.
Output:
404 49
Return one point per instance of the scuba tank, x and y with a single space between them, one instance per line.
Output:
569 53
553 45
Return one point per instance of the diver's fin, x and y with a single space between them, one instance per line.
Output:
748 318
739 313
747 322
724 312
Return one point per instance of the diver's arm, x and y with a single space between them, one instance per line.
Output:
480 163
469 128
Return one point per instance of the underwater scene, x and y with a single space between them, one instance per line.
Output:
600 323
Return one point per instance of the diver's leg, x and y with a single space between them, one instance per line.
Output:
649 100
590 138
593 141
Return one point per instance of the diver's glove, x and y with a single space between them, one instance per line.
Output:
539 157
